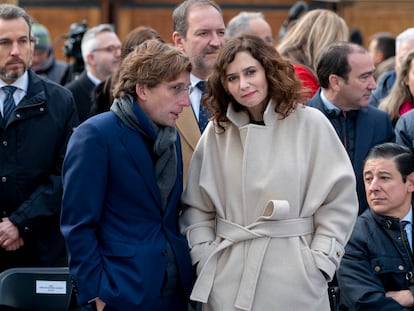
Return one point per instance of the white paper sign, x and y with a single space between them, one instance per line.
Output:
50 287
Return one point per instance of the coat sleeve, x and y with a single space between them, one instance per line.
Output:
84 178
404 130
197 221
329 191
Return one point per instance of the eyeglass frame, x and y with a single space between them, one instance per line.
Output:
108 49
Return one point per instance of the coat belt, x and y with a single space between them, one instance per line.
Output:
260 232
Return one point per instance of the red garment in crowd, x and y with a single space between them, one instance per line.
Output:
308 79
405 107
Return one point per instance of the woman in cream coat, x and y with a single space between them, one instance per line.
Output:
270 200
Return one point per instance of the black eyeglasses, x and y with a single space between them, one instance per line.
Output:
108 49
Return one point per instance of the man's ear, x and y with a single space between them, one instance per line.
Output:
178 41
410 182
335 82
90 58
141 92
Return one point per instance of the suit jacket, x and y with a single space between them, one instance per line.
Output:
372 127
83 92
189 131
115 228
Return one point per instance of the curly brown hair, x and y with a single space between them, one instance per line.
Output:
284 87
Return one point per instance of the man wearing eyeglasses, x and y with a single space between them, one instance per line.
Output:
120 213
101 53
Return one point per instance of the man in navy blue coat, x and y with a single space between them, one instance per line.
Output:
346 74
377 271
122 179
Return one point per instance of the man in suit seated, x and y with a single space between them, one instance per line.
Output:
377 272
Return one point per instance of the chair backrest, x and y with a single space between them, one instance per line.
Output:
36 289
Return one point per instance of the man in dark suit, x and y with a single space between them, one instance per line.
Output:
101 53
122 179
36 121
346 75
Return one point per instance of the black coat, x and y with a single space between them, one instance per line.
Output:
33 145
377 259
83 91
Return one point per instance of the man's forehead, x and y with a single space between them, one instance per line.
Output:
361 61
205 17
14 26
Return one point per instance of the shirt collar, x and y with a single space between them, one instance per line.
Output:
409 216
327 103
94 79
194 80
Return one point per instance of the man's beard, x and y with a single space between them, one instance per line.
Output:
13 75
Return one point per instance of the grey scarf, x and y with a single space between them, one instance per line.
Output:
163 147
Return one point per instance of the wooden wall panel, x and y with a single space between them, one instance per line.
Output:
371 17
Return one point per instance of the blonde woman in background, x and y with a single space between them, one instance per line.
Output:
303 43
400 100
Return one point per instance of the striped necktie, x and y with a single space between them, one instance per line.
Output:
203 113
9 104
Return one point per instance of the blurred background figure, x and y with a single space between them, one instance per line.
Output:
400 100
382 48
295 12
304 43
403 44
252 23
101 53
44 62
355 36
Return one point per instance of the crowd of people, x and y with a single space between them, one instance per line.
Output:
227 170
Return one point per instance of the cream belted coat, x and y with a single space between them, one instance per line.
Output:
266 209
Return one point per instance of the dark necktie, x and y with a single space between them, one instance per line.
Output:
403 224
203 113
9 104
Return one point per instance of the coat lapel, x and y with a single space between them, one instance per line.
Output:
188 128
140 155
364 133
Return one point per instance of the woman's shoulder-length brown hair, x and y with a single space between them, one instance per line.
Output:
284 88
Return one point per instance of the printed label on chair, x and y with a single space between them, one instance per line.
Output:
50 287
